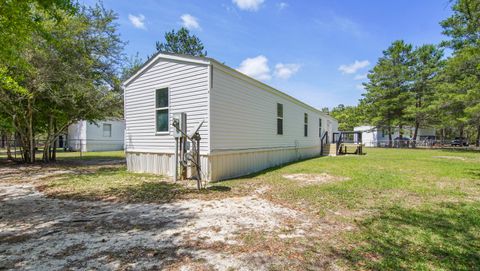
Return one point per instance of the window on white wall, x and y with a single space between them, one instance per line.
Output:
279 119
305 124
320 127
107 130
161 110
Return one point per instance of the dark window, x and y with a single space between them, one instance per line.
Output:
161 109
279 119
320 127
305 124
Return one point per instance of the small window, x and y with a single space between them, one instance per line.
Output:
320 127
161 110
107 130
305 124
279 119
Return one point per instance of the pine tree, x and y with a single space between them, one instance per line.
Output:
388 88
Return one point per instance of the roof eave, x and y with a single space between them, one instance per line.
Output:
169 56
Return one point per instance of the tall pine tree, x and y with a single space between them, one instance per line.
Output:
388 88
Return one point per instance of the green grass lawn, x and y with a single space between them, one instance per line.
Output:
410 209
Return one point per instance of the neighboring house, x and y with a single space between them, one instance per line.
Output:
378 137
106 135
248 125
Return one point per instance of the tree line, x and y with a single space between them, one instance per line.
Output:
417 86
62 62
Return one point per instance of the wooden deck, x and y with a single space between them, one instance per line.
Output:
351 148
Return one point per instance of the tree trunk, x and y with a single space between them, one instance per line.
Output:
389 136
55 142
7 144
443 136
30 133
47 143
25 150
415 134
477 142
401 143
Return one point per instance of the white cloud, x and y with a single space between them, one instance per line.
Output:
360 76
256 67
190 22
354 67
360 87
347 25
334 23
282 5
250 5
285 71
137 21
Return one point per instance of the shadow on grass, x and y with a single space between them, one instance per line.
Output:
445 236
116 184
474 173
158 192
460 150
219 188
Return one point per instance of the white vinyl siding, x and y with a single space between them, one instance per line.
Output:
188 88
241 116
248 126
100 136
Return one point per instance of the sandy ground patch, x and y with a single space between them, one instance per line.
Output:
30 173
309 179
39 233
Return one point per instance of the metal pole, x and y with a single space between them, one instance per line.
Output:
199 177
175 174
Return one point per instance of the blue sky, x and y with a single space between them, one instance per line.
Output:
316 51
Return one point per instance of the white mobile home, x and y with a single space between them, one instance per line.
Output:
106 135
248 125
378 137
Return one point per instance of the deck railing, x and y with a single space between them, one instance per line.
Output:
323 142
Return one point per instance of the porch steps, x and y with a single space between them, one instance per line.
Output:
330 149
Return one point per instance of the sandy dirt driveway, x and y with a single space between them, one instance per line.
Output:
40 233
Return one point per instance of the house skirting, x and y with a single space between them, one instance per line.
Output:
222 164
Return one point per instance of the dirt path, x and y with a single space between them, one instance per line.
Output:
39 233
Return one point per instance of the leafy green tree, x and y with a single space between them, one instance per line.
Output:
130 67
20 19
388 88
458 93
348 116
460 88
19 22
72 69
463 27
427 62
181 42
